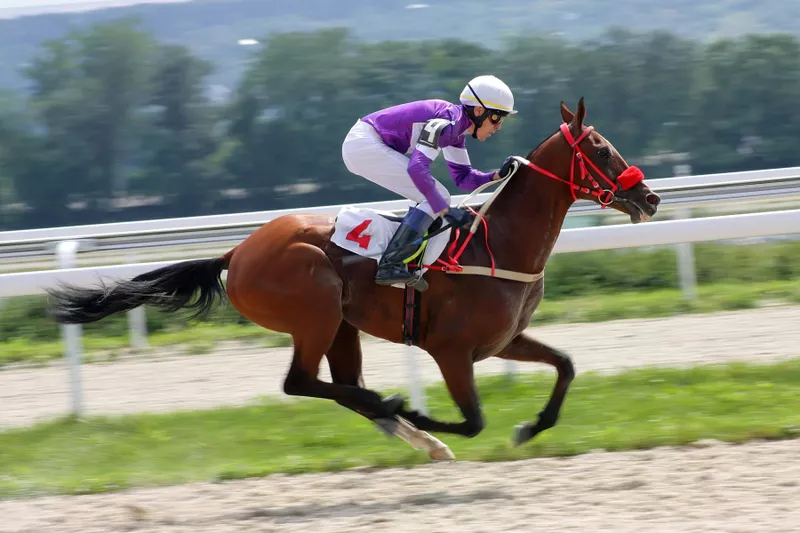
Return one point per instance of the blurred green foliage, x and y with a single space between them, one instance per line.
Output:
116 124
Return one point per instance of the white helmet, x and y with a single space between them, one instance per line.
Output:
488 92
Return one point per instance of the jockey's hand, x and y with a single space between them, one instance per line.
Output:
510 165
458 217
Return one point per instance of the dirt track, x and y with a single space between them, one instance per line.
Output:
711 488
719 488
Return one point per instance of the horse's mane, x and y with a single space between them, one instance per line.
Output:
532 152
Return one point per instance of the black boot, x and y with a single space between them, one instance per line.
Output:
391 268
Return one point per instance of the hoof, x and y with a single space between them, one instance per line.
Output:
522 433
419 440
441 454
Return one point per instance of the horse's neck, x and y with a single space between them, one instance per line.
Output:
526 219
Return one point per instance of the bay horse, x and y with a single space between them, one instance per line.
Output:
289 277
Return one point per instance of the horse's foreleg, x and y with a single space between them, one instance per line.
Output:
525 348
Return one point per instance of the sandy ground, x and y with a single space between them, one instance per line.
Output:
207 381
710 487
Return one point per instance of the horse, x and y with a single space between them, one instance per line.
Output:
288 276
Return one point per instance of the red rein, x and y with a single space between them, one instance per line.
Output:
628 179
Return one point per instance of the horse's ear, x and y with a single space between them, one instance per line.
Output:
581 114
566 114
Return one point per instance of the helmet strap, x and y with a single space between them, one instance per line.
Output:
476 119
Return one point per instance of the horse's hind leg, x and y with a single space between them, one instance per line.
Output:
320 334
303 380
345 363
345 360
297 291
344 356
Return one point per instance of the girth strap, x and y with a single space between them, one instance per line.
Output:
498 273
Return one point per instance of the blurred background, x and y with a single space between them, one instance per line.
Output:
118 111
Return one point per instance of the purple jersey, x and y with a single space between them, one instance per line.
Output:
400 128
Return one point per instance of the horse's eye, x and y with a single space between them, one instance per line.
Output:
604 152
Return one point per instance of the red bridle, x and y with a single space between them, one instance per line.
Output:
629 178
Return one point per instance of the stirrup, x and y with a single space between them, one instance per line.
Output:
419 283
413 280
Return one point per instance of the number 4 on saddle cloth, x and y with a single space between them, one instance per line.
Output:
367 232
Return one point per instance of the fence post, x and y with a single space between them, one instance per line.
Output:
137 327
416 387
66 252
511 369
685 250
137 321
686 264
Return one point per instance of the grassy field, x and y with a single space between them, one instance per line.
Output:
205 337
637 409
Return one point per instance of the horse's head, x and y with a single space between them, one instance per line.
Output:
600 174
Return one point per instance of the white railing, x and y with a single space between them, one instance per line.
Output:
571 240
685 191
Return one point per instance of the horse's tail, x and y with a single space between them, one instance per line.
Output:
168 288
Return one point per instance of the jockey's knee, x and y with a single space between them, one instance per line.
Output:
346 159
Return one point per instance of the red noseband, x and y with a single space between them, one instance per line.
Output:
630 178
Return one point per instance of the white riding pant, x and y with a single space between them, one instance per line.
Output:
365 154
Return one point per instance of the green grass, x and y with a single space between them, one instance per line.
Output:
637 409
203 338
666 302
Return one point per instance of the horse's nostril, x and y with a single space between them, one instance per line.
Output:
653 199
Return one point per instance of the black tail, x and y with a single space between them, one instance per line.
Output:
169 288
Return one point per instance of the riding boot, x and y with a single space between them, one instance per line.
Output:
391 268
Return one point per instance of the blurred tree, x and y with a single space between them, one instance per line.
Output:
112 112
87 90
745 107
639 85
293 109
14 137
182 136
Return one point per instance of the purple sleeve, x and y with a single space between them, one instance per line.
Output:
467 178
419 168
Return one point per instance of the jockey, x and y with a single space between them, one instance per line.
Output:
395 147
